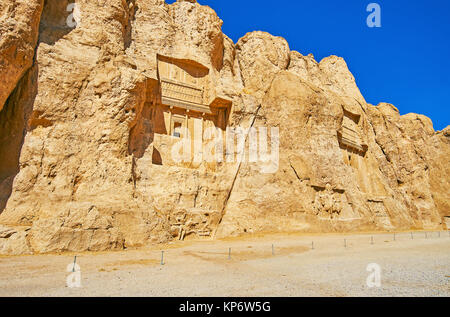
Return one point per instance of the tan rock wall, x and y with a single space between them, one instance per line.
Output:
83 167
19 25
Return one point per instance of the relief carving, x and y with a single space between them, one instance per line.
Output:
378 208
184 107
193 222
329 203
349 135
183 83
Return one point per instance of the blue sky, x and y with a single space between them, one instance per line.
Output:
406 62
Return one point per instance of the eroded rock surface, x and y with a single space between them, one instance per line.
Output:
19 24
92 111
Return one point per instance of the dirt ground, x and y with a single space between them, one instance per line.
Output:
296 265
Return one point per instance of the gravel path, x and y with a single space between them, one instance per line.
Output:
418 267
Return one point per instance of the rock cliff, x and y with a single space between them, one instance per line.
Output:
93 94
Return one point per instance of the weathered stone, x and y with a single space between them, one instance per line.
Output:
261 56
19 25
87 133
14 241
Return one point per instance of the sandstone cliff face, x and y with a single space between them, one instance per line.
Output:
19 24
83 165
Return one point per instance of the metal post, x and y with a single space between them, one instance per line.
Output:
394 236
229 254
371 240
162 257
412 237
312 245
74 262
273 250
345 243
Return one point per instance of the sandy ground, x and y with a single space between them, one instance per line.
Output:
410 267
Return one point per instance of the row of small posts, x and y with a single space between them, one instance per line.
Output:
395 237
312 246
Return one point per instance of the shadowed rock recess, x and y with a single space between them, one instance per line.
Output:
91 112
